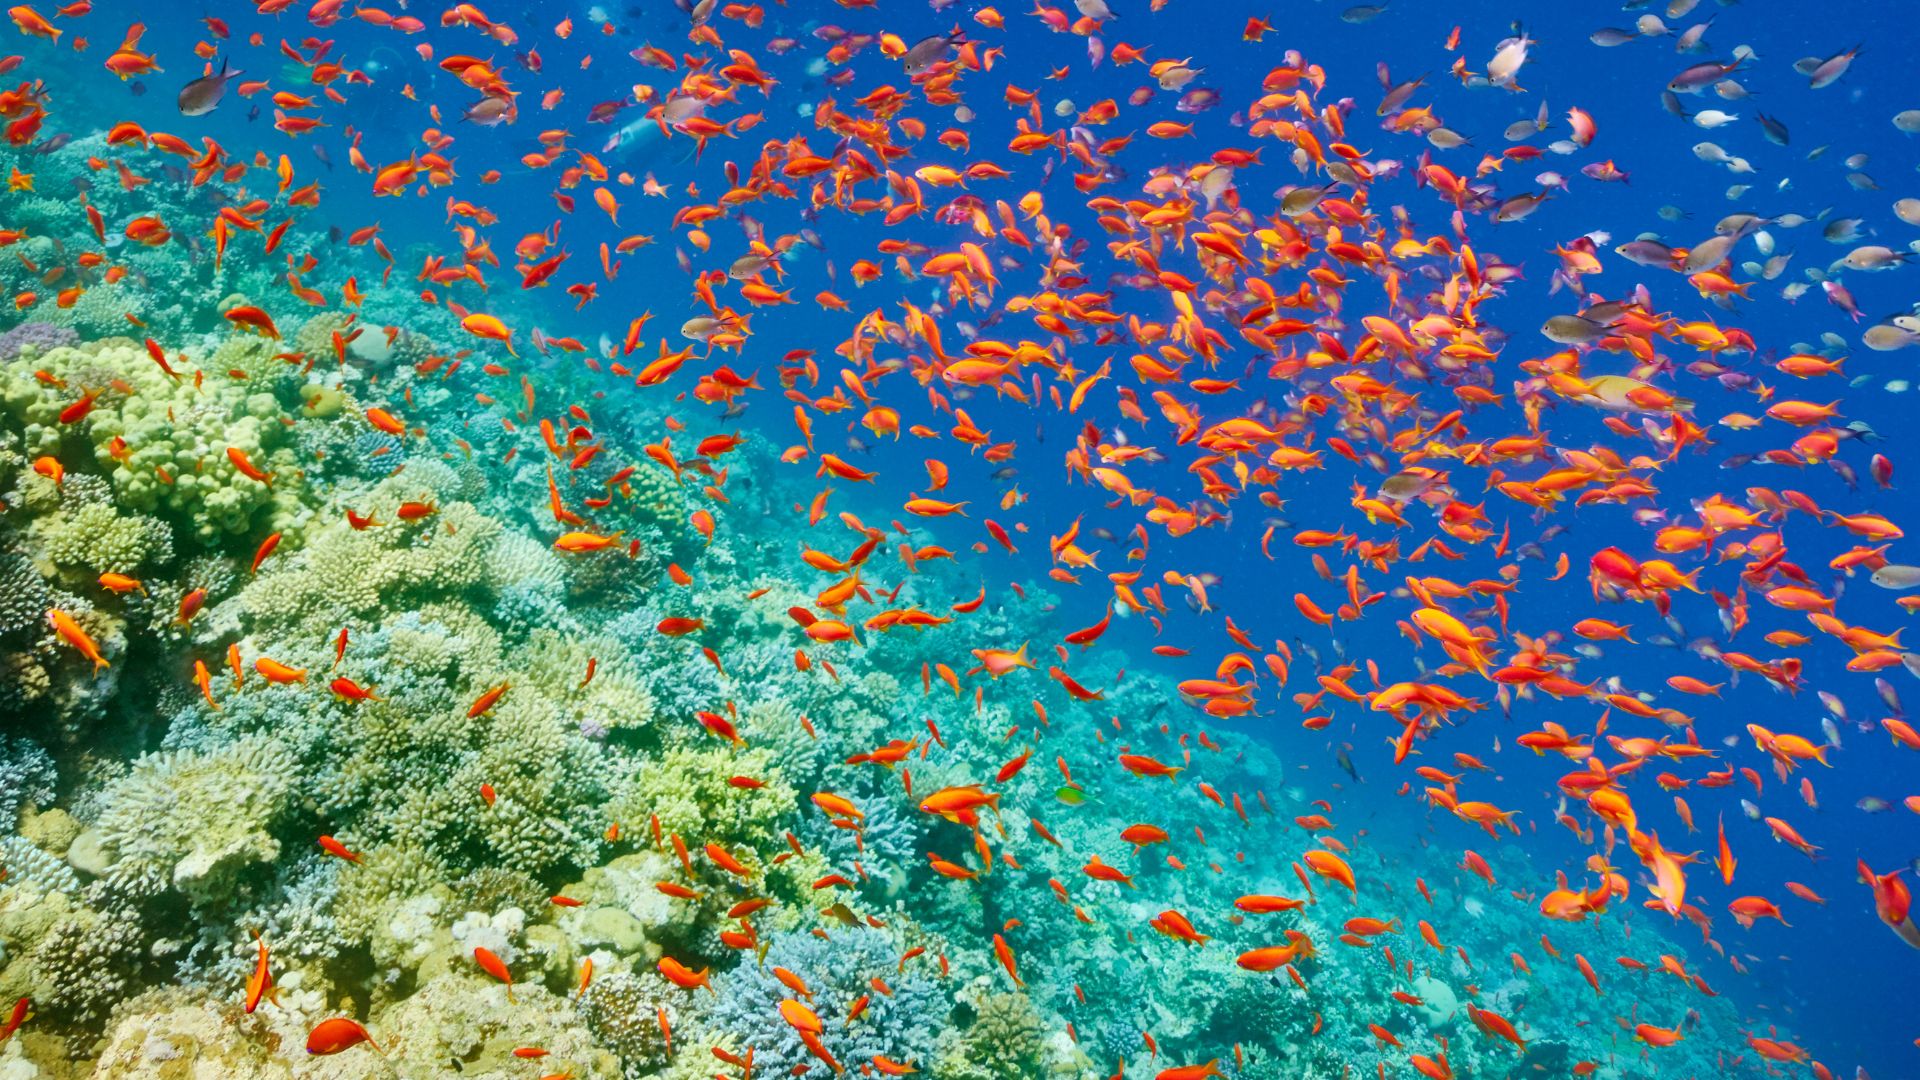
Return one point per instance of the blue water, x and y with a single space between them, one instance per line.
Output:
1836 981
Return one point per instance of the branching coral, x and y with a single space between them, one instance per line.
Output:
26 776
34 337
902 1025
97 539
83 964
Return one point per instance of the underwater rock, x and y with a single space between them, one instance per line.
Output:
611 927
1438 1004
172 1036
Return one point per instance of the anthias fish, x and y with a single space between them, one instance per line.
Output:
739 495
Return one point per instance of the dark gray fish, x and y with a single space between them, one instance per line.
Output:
1843 230
202 95
929 51
1709 253
1827 72
1776 131
1607 312
1572 330
1398 95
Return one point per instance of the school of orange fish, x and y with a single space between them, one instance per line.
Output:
1222 294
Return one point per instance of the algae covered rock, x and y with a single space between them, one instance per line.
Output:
169 1036
466 1019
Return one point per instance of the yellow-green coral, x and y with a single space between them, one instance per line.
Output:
99 539
165 442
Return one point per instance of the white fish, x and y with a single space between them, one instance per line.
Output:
1508 60
1897 577
1713 118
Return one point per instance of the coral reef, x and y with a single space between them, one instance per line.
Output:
361 706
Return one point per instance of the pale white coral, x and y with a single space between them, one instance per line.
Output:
194 821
